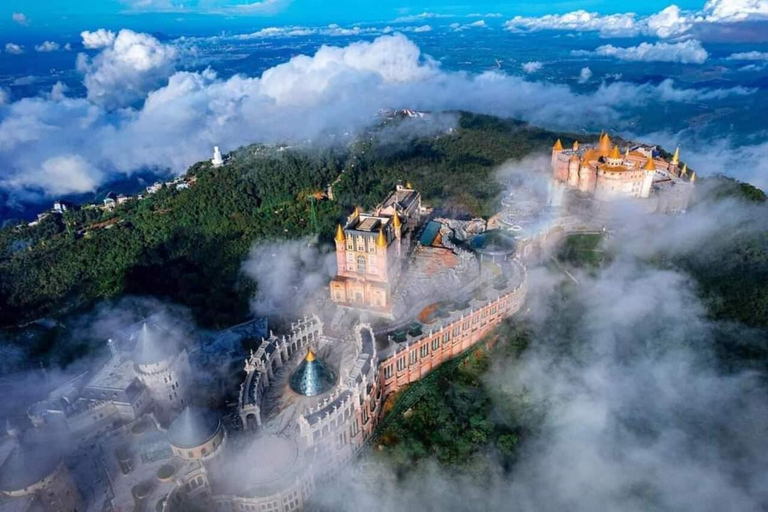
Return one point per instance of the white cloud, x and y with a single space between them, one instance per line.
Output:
220 7
486 15
585 75
125 71
14 48
670 22
98 39
61 175
336 90
422 16
735 10
749 56
612 25
532 67
422 28
20 18
47 46
3 96
686 52
478 23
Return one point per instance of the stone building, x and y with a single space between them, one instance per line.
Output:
196 434
370 250
608 172
162 365
34 476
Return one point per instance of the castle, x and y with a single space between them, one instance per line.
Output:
310 399
607 172
370 249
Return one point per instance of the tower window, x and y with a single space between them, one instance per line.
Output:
361 264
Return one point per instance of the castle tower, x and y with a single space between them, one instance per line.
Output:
370 249
614 158
162 365
604 146
573 171
674 164
556 150
649 170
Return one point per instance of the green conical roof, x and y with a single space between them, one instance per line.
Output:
312 377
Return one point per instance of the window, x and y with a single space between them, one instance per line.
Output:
456 331
446 337
361 264
424 350
350 244
436 343
413 357
350 257
465 326
388 372
401 364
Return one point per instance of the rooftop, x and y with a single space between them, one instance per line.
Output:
194 427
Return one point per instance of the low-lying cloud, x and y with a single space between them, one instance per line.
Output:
686 52
140 112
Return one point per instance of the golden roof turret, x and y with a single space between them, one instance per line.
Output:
615 154
626 154
340 236
575 145
310 356
685 170
558 146
676 156
396 221
693 176
409 185
381 240
605 143
649 165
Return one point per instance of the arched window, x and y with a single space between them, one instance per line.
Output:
361 264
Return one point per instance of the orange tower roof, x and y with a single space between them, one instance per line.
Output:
310 356
676 156
558 146
340 236
615 153
381 240
396 221
575 145
649 165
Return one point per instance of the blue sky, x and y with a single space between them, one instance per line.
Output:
56 16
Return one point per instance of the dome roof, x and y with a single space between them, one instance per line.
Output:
494 242
312 377
154 344
28 464
194 427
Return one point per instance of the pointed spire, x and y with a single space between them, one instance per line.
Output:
381 240
310 356
626 154
558 146
340 236
693 176
649 165
409 185
575 145
685 170
615 153
676 156
396 221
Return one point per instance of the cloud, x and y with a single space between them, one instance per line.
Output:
98 39
14 49
47 46
219 7
337 90
669 22
735 10
20 18
585 75
532 67
486 15
612 25
289 275
422 28
753 55
686 52
478 23
422 16
127 69
61 175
